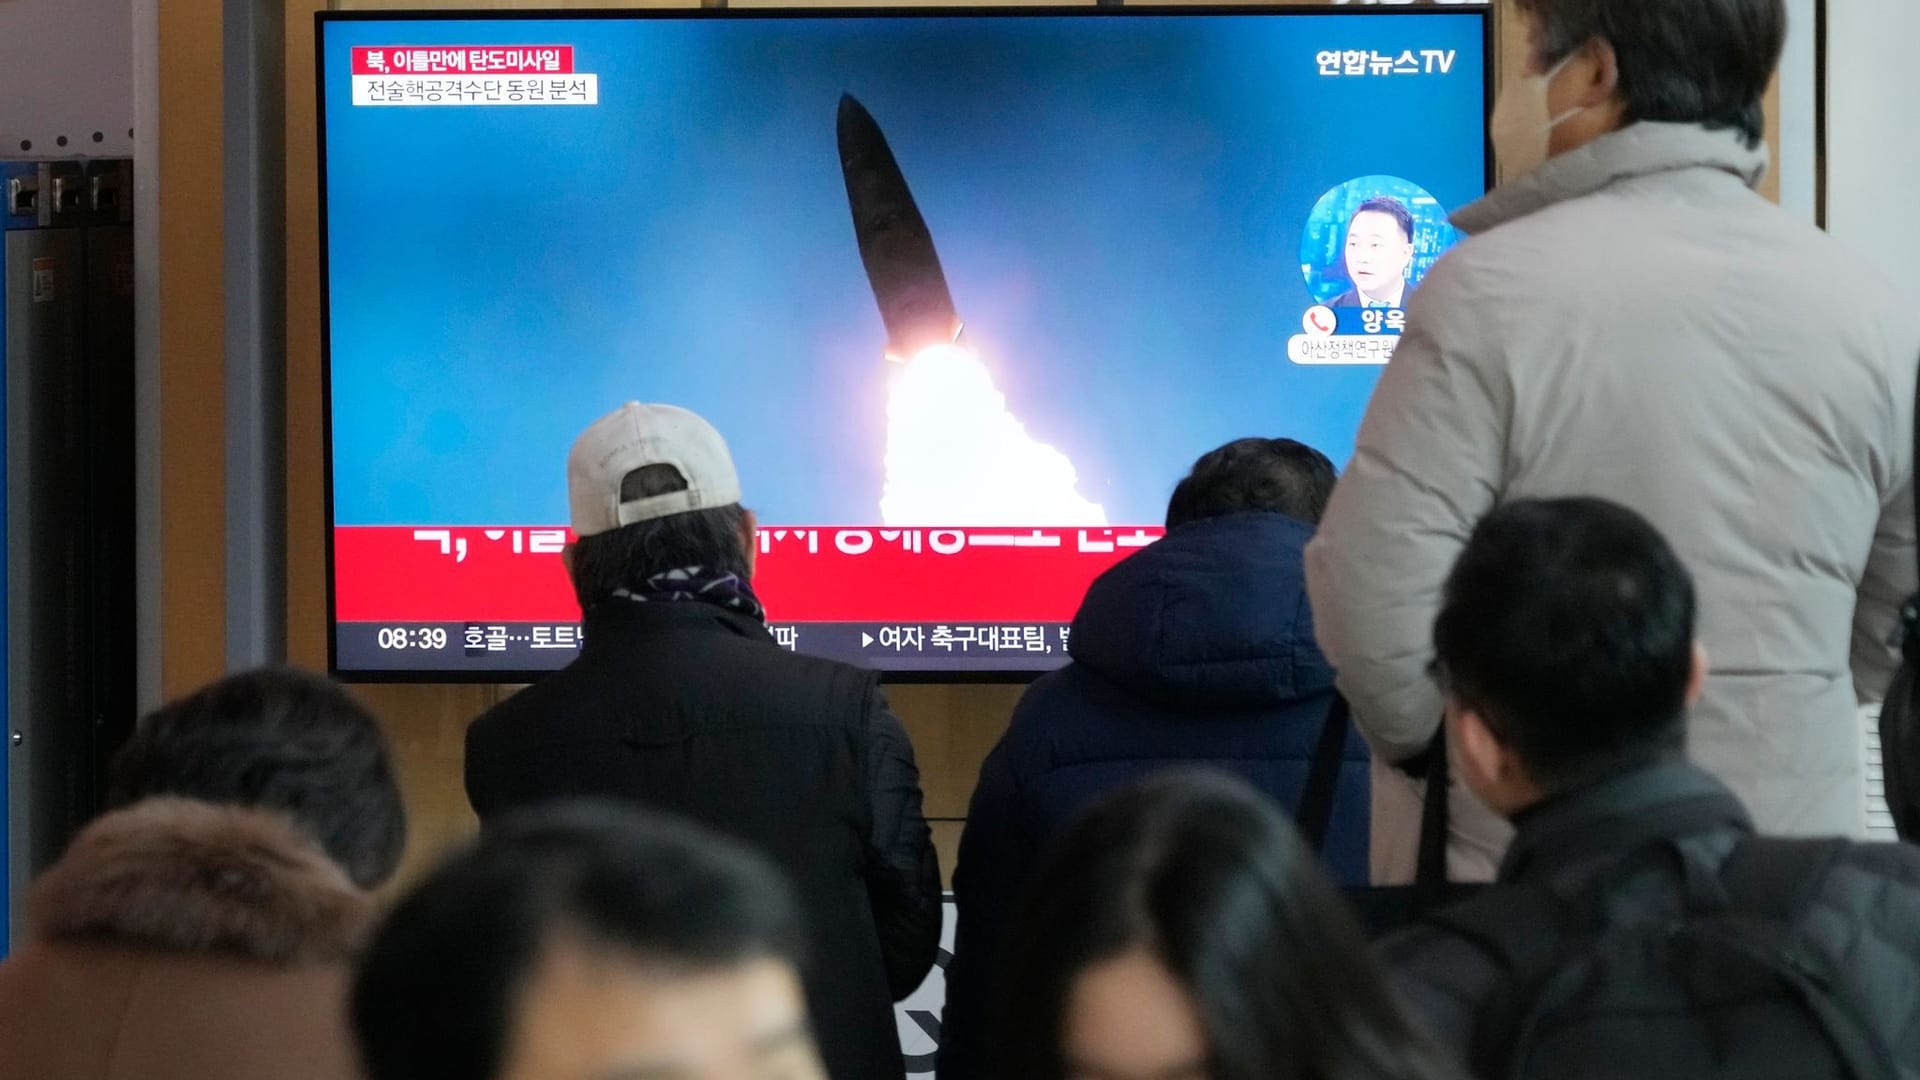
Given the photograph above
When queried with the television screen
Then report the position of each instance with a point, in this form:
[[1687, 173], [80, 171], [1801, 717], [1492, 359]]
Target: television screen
[[966, 293]]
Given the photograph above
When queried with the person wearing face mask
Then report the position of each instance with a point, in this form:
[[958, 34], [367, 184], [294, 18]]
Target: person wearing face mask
[[1630, 320]]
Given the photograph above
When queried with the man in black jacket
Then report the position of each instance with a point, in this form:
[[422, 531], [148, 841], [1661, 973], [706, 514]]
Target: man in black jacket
[[1566, 653], [681, 701]]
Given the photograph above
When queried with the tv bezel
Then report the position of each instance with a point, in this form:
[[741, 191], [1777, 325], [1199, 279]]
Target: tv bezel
[[1483, 12]]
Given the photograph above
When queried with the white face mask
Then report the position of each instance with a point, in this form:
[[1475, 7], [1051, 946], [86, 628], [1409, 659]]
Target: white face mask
[[1521, 128]]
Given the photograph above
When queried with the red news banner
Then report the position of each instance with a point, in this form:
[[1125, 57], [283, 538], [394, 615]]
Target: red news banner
[[806, 574]]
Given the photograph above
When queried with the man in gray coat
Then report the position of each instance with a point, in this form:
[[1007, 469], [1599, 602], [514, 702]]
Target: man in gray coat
[[1630, 320]]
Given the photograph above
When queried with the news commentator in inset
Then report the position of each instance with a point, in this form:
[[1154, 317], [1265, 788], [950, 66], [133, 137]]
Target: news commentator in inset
[[1379, 255]]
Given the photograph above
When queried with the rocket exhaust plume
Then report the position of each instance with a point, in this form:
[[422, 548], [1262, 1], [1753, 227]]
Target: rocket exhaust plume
[[955, 454]]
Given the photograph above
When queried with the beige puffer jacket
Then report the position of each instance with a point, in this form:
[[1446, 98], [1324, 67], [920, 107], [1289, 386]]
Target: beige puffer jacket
[[1632, 321]]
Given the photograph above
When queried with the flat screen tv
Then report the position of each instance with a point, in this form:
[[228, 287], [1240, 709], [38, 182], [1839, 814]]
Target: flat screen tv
[[967, 292]]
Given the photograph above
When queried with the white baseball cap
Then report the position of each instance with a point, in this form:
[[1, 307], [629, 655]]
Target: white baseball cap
[[635, 436]]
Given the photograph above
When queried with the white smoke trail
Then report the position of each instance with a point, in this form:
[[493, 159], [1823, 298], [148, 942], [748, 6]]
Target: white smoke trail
[[957, 456]]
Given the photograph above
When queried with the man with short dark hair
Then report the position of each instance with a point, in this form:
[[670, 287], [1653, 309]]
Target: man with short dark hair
[[203, 928], [1195, 650], [681, 701], [1565, 650], [1629, 319], [1379, 254], [276, 739], [589, 941]]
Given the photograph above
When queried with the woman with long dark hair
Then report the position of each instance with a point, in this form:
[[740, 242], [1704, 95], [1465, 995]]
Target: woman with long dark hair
[[1183, 931]]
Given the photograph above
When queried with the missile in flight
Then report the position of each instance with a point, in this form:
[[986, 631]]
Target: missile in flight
[[895, 244]]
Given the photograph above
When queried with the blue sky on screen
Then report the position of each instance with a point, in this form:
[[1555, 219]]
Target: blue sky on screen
[[1118, 204]]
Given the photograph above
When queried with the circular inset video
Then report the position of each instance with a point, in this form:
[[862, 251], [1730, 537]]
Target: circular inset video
[[1369, 242]]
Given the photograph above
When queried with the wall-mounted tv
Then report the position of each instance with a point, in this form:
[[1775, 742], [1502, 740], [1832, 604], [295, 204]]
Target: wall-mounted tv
[[967, 292]]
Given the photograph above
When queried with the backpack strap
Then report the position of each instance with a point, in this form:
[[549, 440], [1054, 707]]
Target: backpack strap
[[1315, 816], [1900, 708], [1323, 777], [1910, 611], [1900, 730], [1430, 873]]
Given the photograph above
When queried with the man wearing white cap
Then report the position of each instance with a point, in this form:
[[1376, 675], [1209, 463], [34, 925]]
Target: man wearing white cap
[[680, 701]]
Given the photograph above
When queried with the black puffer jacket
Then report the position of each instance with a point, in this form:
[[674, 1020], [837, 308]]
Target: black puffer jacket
[[1865, 918], [691, 709]]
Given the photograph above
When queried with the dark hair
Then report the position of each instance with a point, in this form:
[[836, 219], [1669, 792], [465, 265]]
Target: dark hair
[[1568, 625], [1390, 206], [435, 993], [1276, 475], [626, 557], [277, 739], [1207, 875], [1683, 61]]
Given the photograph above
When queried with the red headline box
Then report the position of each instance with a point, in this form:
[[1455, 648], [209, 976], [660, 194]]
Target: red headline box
[[803, 574], [463, 60]]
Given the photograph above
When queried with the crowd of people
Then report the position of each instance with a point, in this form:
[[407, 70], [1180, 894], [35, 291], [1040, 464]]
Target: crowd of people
[[1623, 545]]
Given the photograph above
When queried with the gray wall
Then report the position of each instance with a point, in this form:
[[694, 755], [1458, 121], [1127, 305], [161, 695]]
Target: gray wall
[[66, 70], [1873, 133]]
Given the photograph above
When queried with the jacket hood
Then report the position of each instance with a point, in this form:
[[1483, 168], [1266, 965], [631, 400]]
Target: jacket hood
[[1636, 150], [1214, 615], [184, 876]]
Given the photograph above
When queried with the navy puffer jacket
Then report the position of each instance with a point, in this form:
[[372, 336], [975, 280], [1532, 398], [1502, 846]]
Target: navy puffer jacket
[[1197, 651]]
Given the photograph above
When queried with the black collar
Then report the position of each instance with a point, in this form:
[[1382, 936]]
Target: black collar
[[1663, 800]]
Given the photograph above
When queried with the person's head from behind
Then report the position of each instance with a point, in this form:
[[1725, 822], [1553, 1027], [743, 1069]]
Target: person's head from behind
[[1380, 247], [279, 740], [1594, 66], [589, 942], [1278, 476], [1565, 645], [1181, 930], [652, 490]]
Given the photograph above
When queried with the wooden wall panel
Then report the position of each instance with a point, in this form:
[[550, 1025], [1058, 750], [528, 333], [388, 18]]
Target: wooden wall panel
[[306, 508], [192, 347], [427, 728], [952, 728]]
